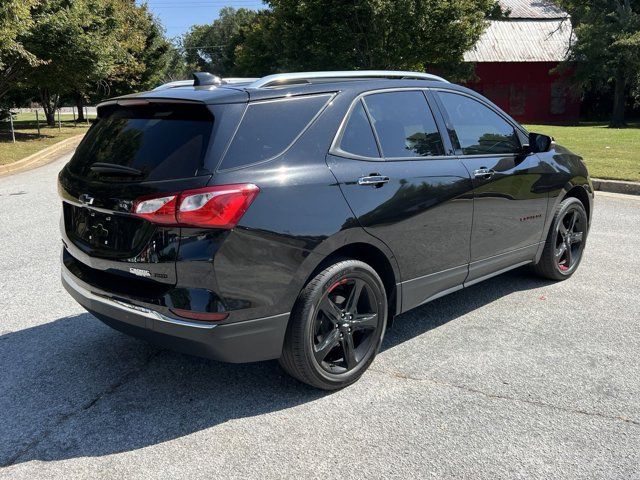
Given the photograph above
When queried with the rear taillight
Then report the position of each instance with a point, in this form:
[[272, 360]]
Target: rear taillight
[[221, 206], [158, 210]]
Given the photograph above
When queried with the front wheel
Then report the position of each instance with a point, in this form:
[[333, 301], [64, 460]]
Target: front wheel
[[337, 326], [565, 242]]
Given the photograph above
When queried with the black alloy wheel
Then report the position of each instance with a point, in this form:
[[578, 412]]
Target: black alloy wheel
[[570, 233], [565, 242], [337, 326], [345, 323]]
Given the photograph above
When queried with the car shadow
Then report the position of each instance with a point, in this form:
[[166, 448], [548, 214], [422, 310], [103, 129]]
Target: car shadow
[[75, 388]]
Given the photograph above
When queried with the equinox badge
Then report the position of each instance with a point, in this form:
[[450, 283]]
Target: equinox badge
[[140, 272]]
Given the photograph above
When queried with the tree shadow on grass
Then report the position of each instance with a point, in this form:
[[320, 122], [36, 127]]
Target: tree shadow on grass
[[22, 136], [75, 388]]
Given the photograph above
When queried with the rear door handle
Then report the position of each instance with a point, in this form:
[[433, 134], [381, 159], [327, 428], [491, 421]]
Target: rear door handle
[[375, 180], [484, 173]]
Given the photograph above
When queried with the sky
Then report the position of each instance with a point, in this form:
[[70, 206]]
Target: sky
[[178, 15]]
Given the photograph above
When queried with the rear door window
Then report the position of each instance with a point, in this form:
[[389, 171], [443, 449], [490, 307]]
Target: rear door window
[[269, 127], [478, 129], [160, 141], [358, 138], [404, 124]]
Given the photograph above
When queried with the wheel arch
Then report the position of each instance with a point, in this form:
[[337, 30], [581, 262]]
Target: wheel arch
[[580, 192], [375, 256], [577, 189]]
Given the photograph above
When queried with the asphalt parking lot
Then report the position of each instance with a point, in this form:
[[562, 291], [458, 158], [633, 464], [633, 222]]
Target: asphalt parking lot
[[512, 378]]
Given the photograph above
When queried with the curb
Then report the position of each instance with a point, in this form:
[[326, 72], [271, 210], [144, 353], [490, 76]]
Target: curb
[[41, 157], [616, 186]]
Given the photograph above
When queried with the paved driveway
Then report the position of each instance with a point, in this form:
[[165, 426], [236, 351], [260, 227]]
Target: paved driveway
[[512, 378]]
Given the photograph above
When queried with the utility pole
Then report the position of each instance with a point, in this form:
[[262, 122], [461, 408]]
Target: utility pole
[[13, 133], [38, 122]]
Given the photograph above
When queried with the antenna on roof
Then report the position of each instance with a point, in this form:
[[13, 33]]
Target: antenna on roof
[[205, 78]]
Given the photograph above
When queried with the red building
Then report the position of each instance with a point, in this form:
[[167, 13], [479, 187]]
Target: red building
[[513, 61]]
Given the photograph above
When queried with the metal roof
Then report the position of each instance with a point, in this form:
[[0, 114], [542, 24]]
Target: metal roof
[[523, 41], [532, 9], [534, 31]]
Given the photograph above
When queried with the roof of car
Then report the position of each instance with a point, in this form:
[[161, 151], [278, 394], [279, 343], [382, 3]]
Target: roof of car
[[239, 93]]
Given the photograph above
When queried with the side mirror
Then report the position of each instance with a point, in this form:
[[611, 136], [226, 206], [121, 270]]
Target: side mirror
[[539, 143]]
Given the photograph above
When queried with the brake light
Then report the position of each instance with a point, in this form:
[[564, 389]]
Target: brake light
[[221, 206]]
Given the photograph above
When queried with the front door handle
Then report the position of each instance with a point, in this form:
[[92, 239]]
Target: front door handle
[[484, 173], [375, 180]]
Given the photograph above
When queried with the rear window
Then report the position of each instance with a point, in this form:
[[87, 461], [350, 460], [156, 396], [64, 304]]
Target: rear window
[[160, 141], [268, 128]]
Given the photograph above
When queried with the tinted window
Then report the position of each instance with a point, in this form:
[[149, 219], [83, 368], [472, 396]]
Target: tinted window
[[404, 124], [358, 137], [163, 141], [269, 127], [479, 129]]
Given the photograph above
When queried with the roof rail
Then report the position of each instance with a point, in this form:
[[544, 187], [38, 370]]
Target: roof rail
[[190, 83], [177, 83], [305, 77]]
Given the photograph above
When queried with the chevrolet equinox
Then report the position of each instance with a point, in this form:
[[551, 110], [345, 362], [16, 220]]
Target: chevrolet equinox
[[292, 217]]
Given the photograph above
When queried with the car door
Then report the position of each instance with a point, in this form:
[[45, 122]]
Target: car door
[[509, 204], [392, 165]]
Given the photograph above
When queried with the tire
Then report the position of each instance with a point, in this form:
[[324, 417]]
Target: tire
[[565, 242], [330, 348]]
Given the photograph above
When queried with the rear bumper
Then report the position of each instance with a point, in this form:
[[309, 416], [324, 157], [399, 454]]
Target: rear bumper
[[246, 341]]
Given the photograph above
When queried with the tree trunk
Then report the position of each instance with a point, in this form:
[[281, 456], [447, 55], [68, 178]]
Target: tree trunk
[[619, 100], [79, 98], [49, 103]]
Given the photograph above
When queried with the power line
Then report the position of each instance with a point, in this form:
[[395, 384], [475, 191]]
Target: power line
[[183, 7], [206, 4], [201, 48]]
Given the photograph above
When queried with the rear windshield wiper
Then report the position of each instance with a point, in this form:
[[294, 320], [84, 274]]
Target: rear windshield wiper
[[116, 169]]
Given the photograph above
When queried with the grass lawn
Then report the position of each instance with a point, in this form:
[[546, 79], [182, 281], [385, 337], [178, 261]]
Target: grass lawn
[[608, 152], [27, 140]]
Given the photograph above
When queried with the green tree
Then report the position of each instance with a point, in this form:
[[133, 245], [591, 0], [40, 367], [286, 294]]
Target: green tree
[[92, 48], [366, 34], [212, 47], [258, 47], [606, 48], [78, 42], [15, 59], [149, 60]]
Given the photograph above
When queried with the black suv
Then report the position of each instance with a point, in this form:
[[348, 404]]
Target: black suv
[[294, 216]]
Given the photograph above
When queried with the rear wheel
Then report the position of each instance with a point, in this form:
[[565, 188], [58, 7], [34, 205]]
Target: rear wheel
[[565, 243], [337, 326]]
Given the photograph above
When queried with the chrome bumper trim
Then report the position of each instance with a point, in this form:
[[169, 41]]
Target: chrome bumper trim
[[128, 307]]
